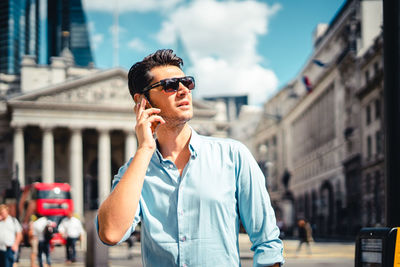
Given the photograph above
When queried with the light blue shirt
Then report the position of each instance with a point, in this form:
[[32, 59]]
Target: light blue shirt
[[194, 219]]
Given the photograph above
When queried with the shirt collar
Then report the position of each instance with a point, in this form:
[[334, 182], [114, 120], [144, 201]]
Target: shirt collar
[[194, 143], [194, 146]]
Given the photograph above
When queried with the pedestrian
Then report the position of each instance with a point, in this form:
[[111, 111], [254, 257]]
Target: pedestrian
[[33, 241], [189, 191], [10, 237], [71, 228], [305, 235], [40, 227]]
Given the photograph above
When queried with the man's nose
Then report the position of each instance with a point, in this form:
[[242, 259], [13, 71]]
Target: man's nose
[[183, 90]]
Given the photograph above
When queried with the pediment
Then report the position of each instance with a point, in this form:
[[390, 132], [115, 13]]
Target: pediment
[[104, 90], [113, 91], [99, 89]]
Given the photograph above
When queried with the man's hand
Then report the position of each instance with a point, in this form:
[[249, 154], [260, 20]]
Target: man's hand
[[18, 239], [14, 247], [145, 118]]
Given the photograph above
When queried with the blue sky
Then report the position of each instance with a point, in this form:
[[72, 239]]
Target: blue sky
[[231, 47]]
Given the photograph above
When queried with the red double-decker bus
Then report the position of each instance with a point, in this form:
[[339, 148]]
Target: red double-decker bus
[[52, 200]]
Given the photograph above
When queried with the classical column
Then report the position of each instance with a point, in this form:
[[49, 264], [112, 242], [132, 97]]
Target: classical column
[[130, 145], [48, 156], [104, 167], [19, 154], [75, 170]]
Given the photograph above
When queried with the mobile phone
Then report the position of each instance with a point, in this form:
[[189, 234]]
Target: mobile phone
[[147, 106]]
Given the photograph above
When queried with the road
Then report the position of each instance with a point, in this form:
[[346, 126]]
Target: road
[[324, 254]]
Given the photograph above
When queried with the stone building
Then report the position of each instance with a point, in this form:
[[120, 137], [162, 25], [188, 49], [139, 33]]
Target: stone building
[[370, 95], [75, 125], [316, 146]]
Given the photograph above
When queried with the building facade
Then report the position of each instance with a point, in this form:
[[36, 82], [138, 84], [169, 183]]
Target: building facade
[[370, 95], [324, 152]]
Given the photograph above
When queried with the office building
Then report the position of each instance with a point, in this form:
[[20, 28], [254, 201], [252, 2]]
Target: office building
[[19, 33], [66, 27]]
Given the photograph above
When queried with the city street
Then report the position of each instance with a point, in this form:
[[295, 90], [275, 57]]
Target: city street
[[324, 254]]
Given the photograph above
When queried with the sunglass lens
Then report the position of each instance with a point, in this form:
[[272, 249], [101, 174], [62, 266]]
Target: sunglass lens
[[171, 85], [188, 82]]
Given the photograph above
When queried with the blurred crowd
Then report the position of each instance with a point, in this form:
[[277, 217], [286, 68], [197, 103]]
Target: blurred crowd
[[42, 235]]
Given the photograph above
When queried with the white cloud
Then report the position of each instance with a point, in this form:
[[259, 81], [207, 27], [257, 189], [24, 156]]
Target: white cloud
[[129, 5], [221, 39], [97, 40], [137, 44], [216, 77]]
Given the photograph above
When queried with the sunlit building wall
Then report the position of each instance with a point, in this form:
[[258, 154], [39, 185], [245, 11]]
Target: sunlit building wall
[[315, 155]]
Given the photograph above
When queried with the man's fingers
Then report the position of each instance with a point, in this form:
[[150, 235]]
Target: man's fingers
[[149, 113], [156, 118]]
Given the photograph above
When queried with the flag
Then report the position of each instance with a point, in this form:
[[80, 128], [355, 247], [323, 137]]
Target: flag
[[320, 63], [307, 83]]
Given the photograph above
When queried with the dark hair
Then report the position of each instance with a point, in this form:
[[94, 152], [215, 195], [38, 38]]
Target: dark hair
[[139, 75]]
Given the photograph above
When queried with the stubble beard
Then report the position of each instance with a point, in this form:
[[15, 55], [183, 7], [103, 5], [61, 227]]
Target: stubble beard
[[170, 120]]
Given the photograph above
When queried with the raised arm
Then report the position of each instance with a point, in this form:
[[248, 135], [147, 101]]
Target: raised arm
[[117, 212], [256, 212]]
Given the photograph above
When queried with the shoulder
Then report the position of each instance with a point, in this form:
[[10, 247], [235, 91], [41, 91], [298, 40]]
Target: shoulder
[[75, 220], [16, 223], [223, 143]]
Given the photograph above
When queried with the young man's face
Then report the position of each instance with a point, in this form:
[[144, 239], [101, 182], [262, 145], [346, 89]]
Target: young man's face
[[176, 107], [3, 214]]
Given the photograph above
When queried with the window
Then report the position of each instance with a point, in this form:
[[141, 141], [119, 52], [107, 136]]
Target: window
[[377, 199], [376, 67], [274, 140], [368, 183], [377, 108], [366, 76], [378, 142], [368, 114], [369, 147]]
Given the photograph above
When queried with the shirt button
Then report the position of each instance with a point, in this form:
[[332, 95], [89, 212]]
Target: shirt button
[[181, 213], [183, 239], [184, 265], [171, 166]]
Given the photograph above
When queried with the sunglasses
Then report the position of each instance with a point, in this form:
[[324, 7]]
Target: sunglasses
[[172, 84]]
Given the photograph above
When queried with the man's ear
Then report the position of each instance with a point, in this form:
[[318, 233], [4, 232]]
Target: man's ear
[[137, 98]]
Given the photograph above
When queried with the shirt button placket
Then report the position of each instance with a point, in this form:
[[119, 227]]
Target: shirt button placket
[[181, 235]]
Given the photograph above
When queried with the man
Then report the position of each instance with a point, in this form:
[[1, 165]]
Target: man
[[33, 240], [44, 245], [10, 237], [189, 191], [71, 228], [305, 235]]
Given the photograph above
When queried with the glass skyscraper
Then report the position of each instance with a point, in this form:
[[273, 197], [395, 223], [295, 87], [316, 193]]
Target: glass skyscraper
[[24, 30], [67, 27], [19, 33]]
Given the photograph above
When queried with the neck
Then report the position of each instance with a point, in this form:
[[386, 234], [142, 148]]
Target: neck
[[173, 140]]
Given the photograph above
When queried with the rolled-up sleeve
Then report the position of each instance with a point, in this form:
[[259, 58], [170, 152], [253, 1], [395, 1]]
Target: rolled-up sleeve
[[256, 212], [136, 220]]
